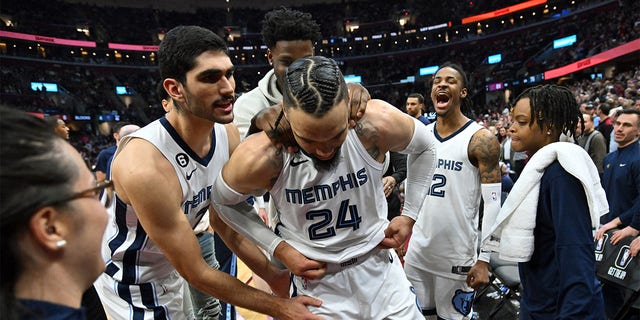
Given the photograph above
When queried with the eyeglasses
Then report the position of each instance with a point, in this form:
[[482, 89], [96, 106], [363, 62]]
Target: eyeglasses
[[94, 192]]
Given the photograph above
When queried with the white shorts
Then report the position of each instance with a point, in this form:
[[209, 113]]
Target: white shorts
[[373, 286], [451, 299], [161, 299]]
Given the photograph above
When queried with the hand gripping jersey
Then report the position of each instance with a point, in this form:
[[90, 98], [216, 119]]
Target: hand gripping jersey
[[446, 232], [333, 215], [132, 257]]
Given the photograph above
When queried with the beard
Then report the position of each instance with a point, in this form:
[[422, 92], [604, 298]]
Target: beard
[[325, 165]]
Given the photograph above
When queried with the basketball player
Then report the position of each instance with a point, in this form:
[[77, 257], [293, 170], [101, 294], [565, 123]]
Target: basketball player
[[442, 261], [164, 175], [329, 195]]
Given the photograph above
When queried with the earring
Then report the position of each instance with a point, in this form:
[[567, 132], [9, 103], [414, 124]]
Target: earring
[[61, 243], [549, 132]]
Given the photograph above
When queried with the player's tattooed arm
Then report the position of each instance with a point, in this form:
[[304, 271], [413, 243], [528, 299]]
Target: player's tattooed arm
[[484, 152], [275, 162], [369, 135]]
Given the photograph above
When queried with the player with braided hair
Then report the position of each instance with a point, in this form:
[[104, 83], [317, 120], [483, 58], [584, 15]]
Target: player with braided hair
[[329, 195]]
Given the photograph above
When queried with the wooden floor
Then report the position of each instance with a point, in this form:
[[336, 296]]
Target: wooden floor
[[245, 275]]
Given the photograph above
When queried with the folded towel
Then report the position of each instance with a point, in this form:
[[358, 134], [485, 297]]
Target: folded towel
[[512, 233]]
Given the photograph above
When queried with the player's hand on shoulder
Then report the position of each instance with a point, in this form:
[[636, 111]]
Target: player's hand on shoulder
[[272, 121], [358, 98], [298, 264]]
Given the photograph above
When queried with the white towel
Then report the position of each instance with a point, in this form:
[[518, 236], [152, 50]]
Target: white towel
[[514, 225]]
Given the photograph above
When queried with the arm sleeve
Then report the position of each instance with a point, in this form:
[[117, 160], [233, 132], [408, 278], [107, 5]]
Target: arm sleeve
[[242, 217], [420, 166], [491, 194], [399, 162]]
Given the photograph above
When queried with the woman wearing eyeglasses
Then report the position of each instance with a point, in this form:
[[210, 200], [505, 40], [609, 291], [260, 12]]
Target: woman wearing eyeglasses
[[51, 222]]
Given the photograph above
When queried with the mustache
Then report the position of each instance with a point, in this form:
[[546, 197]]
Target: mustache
[[226, 99]]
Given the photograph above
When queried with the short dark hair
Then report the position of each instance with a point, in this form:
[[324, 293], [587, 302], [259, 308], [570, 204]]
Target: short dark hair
[[553, 106], [417, 96], [287, 24], [314, 84], [605, 107], [181, 46], [118, 125], [34, 170], [629, 111]]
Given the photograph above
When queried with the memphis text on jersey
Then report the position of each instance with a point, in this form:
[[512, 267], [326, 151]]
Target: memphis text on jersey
[[325, 192]]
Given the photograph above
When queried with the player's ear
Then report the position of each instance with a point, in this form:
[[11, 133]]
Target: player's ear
[[270, 57], [174, 88]]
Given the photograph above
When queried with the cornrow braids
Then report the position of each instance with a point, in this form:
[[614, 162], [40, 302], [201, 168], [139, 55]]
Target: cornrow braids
[[314, 84], [555, 107]]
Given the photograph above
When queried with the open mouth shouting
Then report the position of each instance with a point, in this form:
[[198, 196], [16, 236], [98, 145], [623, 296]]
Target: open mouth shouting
[[442, 99]]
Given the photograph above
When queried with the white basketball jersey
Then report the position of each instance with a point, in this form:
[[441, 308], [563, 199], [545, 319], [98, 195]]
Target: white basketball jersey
[[332, 215], [132, 257], [446, 231]]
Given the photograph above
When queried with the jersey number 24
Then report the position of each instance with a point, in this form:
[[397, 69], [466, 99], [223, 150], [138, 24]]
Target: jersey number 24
[[348, 217]]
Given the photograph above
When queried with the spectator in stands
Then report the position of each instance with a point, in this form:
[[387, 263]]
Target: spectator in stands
[[58, 126], [605, 125], [51, 222], [506, 181], [104, 157], [546, 222], [621, 181], [415, 107], [592, 141]]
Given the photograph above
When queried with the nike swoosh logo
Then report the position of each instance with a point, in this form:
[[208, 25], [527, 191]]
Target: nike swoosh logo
[[190, 174], [293, 162]]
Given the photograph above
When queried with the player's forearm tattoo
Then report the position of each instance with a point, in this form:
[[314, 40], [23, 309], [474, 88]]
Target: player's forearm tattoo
[[368, 133], [484, 147]]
